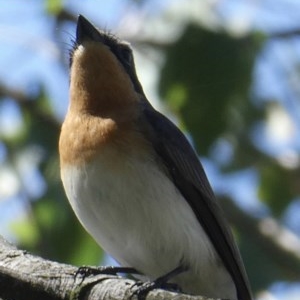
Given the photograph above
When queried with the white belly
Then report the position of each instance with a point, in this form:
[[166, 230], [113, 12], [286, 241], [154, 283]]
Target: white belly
[[138, 216]]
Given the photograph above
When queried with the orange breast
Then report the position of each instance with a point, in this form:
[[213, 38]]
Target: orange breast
[[84, 137]]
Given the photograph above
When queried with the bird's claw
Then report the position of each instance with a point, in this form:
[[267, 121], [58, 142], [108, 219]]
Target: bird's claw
[[143, 288], [86, 271]]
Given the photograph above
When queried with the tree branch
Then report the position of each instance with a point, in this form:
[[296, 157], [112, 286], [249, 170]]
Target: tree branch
[[282, 246], [24, 276]]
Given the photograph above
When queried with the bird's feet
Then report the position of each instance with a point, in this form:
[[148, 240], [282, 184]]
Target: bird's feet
[[86, 271], [141, 289]]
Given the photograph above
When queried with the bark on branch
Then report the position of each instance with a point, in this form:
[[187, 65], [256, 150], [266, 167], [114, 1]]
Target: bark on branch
[[24, 276]]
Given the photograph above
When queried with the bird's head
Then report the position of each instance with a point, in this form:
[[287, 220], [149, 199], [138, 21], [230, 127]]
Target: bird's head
[[103, 79]]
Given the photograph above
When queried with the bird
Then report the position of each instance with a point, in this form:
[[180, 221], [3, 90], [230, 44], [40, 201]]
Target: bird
[[135, 182]]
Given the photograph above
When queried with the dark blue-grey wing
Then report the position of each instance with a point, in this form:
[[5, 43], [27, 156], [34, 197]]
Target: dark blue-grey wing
[[190, 179]]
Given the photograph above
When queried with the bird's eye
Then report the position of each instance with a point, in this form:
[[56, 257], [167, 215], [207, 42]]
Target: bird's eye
[[126, 54]]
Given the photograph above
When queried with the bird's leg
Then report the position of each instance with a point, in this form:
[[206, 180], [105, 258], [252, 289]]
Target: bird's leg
[[161, 282]]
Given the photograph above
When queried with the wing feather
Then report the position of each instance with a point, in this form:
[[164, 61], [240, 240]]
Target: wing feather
[[189, 177]]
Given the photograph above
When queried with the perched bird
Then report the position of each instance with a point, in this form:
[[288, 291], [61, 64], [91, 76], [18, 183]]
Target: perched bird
[[134, 181]]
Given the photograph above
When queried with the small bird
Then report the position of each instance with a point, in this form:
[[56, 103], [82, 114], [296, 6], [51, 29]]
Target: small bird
[[134, 181]]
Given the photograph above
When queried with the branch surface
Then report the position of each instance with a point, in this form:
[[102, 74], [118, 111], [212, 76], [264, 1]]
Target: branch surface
[[24, 276]]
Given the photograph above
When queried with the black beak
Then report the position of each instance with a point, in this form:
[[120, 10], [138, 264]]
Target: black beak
[[86, 31]]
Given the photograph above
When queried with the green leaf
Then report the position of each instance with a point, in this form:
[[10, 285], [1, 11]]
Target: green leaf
[[275, 187], [54, 6], [27, 232], [205, 76]]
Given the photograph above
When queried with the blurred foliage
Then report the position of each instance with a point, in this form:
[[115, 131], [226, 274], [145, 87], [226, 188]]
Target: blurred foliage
[[206, 81], [50, 228], [276, 187], [54, 6]]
